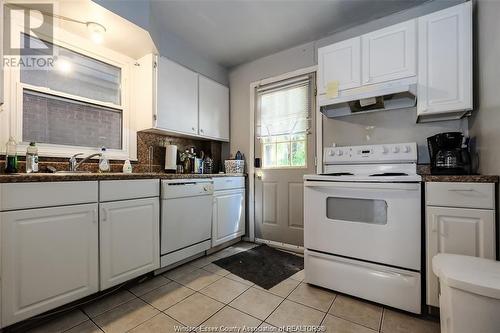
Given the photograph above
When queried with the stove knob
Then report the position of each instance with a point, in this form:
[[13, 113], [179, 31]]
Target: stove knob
[[406, 149], [395, 150], [385, 150], [340, 152], [331, 153]]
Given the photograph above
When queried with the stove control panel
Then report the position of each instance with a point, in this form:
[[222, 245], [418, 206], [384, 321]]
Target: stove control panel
[[386, 153]]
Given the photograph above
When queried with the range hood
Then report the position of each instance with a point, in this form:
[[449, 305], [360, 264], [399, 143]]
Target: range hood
[[378, 97]]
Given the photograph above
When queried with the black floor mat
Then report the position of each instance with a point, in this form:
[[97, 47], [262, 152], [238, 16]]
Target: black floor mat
[[263, 265]]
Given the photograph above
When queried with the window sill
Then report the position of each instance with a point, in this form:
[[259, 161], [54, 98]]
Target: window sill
[[56, 151]]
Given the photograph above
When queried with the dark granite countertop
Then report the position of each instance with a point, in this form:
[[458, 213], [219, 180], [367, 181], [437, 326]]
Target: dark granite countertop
[[54, 177], [424, 170], [460, 178]]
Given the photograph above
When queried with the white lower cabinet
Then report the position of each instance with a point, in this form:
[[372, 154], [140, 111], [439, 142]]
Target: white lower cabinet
[[129, 239], [49, 258], [228, 214], [457, 230]]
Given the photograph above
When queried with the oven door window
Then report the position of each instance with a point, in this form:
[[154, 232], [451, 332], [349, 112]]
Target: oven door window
[[370, 211]]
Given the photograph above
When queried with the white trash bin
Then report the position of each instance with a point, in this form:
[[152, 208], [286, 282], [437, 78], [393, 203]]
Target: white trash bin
[[469, 297]]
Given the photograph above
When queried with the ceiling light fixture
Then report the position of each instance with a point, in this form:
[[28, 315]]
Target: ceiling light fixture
[[95, 29], [96, 32], [64, 66]]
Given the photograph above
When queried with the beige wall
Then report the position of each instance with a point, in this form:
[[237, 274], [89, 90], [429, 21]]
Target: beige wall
[[388, 126], [400, 126], [239, 85], [485, 122]]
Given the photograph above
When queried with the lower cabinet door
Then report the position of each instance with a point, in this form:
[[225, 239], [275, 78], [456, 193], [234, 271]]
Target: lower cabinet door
[[49, 258], [228, 221], [129, 239], [462, 231]]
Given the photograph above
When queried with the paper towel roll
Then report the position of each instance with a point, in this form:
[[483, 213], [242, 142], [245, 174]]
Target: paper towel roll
[[170, 157]]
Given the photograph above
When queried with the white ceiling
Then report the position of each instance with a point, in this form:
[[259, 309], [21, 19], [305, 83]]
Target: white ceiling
[[232, 32]]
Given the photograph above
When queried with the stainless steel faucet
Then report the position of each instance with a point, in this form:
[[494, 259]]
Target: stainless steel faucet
[[73, 164]]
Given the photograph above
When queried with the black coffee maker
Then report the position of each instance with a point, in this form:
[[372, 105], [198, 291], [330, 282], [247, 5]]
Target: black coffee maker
[[449, 154]]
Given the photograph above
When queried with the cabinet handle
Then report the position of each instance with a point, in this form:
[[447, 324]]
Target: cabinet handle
[[94, 216], [434, 226], [462, 190], [104, 213]]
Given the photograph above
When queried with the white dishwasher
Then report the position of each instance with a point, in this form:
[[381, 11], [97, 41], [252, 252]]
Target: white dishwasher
[[228, 220], [186, 218]]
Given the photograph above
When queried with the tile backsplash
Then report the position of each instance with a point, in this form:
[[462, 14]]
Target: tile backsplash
[[144, 141]]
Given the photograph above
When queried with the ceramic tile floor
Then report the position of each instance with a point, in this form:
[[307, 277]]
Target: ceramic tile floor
[[201, 293]]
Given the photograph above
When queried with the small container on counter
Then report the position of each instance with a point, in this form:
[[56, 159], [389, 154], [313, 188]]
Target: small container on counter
[[32, 158], [11, 156], [127, 167], [234, 166], [103, 161]]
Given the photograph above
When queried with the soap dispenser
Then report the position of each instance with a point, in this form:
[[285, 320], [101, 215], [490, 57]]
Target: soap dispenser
[[103, 161]]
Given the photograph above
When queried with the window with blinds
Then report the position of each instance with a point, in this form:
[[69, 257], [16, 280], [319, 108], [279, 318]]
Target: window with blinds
[[284, 121]]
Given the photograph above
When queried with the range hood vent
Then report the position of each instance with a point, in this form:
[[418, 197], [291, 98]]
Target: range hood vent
[[382, 97]]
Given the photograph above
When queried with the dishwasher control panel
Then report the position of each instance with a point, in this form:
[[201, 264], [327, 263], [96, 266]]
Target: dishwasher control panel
[[182, 188]]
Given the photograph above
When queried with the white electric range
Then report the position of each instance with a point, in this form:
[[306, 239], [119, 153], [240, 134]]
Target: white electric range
[[362, 224]]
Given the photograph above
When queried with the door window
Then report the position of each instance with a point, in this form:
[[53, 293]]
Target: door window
[[357, 210], [284, 121]]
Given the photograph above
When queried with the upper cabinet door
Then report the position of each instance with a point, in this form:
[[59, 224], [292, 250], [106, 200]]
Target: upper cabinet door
[[177, 98], [214, 109], [340, 62], [445, 60], [390, 53]]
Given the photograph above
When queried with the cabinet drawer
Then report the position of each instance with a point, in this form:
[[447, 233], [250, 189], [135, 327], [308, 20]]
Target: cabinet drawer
[[43, 194], [227, 183], [466, 195], [112, 190]]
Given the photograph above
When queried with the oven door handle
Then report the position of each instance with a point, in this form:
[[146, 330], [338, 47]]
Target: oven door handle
[[360, 185]]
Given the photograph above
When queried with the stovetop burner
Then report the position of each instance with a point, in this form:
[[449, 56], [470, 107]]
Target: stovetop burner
[[389, 174]]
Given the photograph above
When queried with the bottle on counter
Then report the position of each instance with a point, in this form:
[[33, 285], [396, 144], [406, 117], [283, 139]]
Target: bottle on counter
[[127, 167], [32, 158], [192, 157], [207, 165], [11, 156], [103, 161]]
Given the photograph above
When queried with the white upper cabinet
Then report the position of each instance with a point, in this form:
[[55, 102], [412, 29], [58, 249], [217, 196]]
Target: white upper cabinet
[[339, 62], [177, 98], [173, 99], [390, 53], [214, 109], [445, 63]]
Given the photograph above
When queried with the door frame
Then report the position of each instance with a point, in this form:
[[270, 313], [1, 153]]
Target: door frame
[[251, 159]]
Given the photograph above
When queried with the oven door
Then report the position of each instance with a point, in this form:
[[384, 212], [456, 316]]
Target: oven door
[[376, 222]]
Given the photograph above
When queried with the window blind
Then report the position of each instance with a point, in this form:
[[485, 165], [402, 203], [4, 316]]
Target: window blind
[[284, 107]]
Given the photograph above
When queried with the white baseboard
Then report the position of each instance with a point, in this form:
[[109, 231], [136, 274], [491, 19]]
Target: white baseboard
[[280, 245]]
